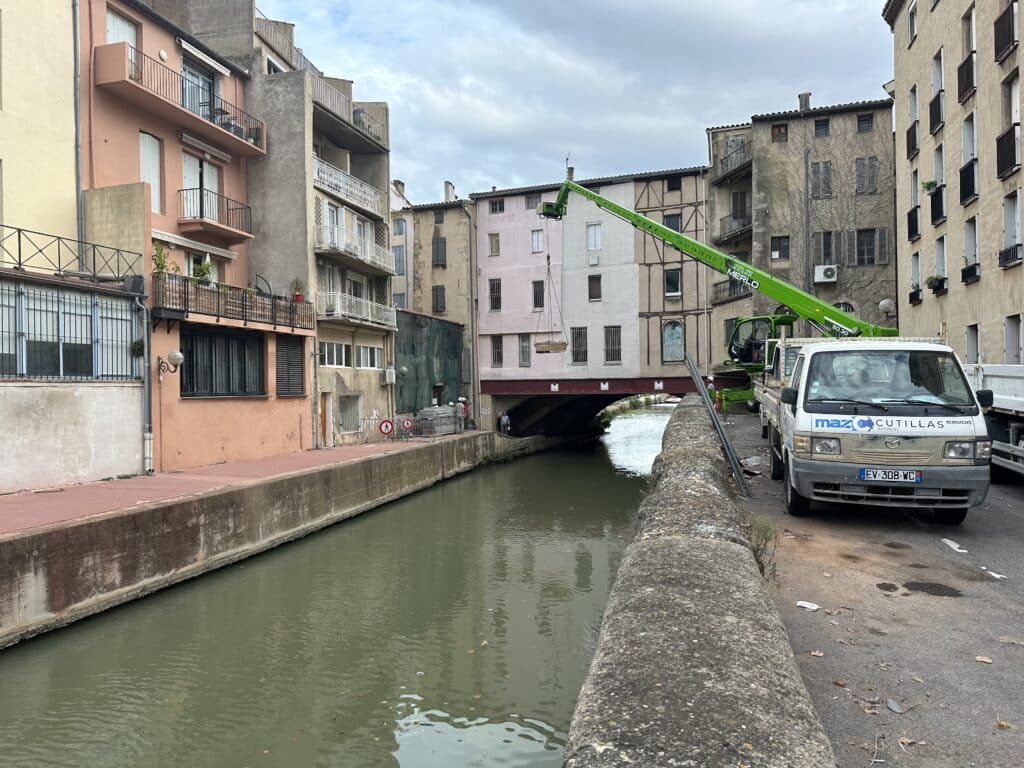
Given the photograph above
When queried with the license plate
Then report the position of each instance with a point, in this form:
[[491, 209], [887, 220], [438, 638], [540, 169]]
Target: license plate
[[891, 475]]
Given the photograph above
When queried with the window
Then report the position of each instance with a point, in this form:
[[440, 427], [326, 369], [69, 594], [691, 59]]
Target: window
[[728, 326], [355, 287], [938, 76], [940, 257], [524, 350], [348, 413], [498, 205], [865, 123], [594, 237], [672, 348], [939, 165], [970, 242], [674, 183], [399, 251], [825, 247], [537, 241], [398, 300], [915, 271], [437, 299], [497, 351], [121, 29], [494, 293], [193, 262], [594, 287], [867, 175], [398, 227], [912, 22], [912, 104], [844, 306], [673, 283], [915, 188], [864, 250], [272, 68], [578, 338], [968, 138], [369, 357], [1012, 340], [780, 248], [290, 368], [200, 193], [972, 345], [613, 343], [151, 169], [821, 128], [780, 133], [538, 294], [532, 201], [673, 221], [1011, 220], [439, 216], [439, 252], [197, 90], [821, 179], [221, 363], [335, 355], [494, 244], [739, 204]]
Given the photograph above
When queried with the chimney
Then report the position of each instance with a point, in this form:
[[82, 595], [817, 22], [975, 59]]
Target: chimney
[[569, 171], [399, 186], [805, 101], [449, 192]]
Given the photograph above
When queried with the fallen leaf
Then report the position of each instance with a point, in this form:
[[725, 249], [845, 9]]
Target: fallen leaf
[[905, 742], [894, 706], [841, 682], [1003, 724], [817, 653], [983, 659]]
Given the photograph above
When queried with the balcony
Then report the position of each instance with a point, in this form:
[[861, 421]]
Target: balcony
[[965, 84], [914, 297], [177, 297], [733, 226], [733, 165], [936, 112], [45, 254], [912, 140], [340, 106], [1010, 256], [969, 181], [1008, 151], [272, 35], [938, 200], [913, 225], [348, 188], [727, 290], [334, 239], [939, 285], [1005, 28], [158, 89], [971, 273], [204, 212], [342, 306]]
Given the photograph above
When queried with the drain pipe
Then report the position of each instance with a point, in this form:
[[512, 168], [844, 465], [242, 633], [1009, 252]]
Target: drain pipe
[[77, 53], [147, 395]]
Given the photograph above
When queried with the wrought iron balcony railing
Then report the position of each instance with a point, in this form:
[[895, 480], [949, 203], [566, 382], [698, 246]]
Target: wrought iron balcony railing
[[206, 204], [938, 198], [913, 223], [1008, 151], [336, 102], [969, 181], [936, 111], [733, 223], [727, 290], [178, 295], [1006, 31], [912, 139], [332, 238], [348, 187], [330, 305], [914, 297], [732, 161], [271, 33], [53, 255], [971, 273], [1010, 256], [965, 84]]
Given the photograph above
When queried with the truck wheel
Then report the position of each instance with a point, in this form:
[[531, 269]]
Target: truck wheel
[[796, 505], [950, 516], [764, 431], [753, 406], [775, 468]]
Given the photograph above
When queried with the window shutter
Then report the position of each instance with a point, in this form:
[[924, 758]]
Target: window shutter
[[861, 180], [816, 252], [851, 248], [872, 174], [837, 247], [290, 378], [826, 179], [881, 246], [816, 179]]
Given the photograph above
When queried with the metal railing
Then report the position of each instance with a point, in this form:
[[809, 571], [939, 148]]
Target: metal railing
[[336, 102], [369, 124], [157, 77], [913, 223], [731, 161], [914, 297], [271, 33], [728, 289], [192, 296], [1010, 255], [1008, 151], [207, 204], [727, 447], [53, 255], [936, 112], [332, 304], [732, 223], [348, 187], [969, 181], [912, 139], [334, 238], [938, 198], [965, 84], [1005, 29], [972, 272]]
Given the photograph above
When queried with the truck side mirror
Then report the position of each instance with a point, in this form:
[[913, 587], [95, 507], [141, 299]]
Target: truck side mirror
[[984, 398], [789, 395]]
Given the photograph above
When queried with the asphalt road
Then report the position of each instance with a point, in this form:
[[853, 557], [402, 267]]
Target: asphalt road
[[906, 607]]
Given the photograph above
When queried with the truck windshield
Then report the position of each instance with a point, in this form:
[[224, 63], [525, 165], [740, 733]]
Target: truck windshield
[[918, 377]]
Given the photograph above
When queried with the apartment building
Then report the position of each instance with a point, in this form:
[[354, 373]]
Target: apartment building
[[166, 138], [958, 178], [403, 236], [325, 177], [806, 195]]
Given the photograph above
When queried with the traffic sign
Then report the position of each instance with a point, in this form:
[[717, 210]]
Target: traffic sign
[[387, 427], [407, 424]]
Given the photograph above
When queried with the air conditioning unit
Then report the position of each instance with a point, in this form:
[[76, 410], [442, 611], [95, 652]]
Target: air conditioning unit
[[594, 260], [825, 273], [388, 376]]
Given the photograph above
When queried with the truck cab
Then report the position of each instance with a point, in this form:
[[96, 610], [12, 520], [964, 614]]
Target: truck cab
[[882, 423]]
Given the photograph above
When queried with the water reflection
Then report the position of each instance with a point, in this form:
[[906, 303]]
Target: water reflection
[[451, 628]]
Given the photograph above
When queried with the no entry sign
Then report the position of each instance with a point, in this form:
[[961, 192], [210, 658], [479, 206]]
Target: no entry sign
[[387, 427]]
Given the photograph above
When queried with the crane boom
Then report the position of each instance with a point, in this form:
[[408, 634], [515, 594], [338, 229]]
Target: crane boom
[[822, 315]]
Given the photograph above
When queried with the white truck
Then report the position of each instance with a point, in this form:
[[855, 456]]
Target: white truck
[[881, 422], [1006, 416]]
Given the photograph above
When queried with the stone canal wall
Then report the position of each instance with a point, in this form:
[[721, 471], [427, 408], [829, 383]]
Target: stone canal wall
[[54, 575], [693, 666]]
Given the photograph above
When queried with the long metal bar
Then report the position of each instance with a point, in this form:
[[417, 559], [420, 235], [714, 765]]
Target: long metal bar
[[727, 449]]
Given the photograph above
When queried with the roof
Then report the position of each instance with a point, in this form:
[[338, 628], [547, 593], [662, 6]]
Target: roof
[[728, 127], [834, 109], [890, 10], [695, 170], [435, 206], [431, 317]]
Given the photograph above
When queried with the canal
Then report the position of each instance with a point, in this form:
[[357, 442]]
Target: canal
[[451, 628]]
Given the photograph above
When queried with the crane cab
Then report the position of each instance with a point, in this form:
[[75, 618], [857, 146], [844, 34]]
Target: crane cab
[[747, 344]]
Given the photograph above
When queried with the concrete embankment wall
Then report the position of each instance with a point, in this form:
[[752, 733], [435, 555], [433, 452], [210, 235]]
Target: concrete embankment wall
[[55, 575], [693, 666]]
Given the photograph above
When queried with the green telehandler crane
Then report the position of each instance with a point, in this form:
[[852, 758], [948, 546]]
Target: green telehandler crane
[[746, 345]]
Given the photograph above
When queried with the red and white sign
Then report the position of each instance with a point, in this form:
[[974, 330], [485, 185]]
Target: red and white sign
[[387, 427], [406, 424]]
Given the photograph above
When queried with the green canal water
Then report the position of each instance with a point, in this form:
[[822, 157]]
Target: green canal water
[[452, 628]]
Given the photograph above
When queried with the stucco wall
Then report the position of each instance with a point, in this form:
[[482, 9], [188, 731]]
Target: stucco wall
[[120, 214], [58, 433]]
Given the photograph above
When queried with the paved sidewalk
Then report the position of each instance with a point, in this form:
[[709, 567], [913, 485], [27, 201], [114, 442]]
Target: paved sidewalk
[[33, 509]]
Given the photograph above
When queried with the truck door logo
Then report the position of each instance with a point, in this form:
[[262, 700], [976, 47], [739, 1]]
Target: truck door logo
[[867, 424]]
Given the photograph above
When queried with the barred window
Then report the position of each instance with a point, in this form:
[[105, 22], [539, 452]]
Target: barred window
[[613, 344], [538, 294], [579, 345], [221, 363], [494, 293], [497, 351], [524, 350]]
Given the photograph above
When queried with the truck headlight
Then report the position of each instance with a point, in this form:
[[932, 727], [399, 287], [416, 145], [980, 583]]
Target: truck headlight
[[960, 450], [801, 443], [983, 449], [826, 445]]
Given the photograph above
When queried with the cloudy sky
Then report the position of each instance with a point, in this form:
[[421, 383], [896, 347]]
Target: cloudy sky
[[488, 93]]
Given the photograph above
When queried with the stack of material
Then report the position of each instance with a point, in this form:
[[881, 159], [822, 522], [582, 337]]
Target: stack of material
[[438, 420]]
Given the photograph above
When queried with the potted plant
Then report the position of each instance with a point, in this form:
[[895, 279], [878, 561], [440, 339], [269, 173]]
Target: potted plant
[[201, 271], [933, 282], [162, 264], [929, 186], [138, 348], [296, 286]]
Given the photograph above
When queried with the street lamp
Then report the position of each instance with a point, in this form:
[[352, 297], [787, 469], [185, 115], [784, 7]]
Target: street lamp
[[171, 364]]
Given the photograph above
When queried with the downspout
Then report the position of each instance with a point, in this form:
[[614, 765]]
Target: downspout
[[77, 53], [707, 310], [147, 395], [474, 378]]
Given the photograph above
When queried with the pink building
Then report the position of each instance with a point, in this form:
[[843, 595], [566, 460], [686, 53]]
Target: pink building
[[165, 138]]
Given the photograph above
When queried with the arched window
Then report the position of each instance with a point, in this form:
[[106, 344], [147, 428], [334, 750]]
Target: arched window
[[845, 306], [672, 348]]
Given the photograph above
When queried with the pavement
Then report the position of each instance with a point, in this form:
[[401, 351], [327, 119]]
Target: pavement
[[32, 509], [915, 656]]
